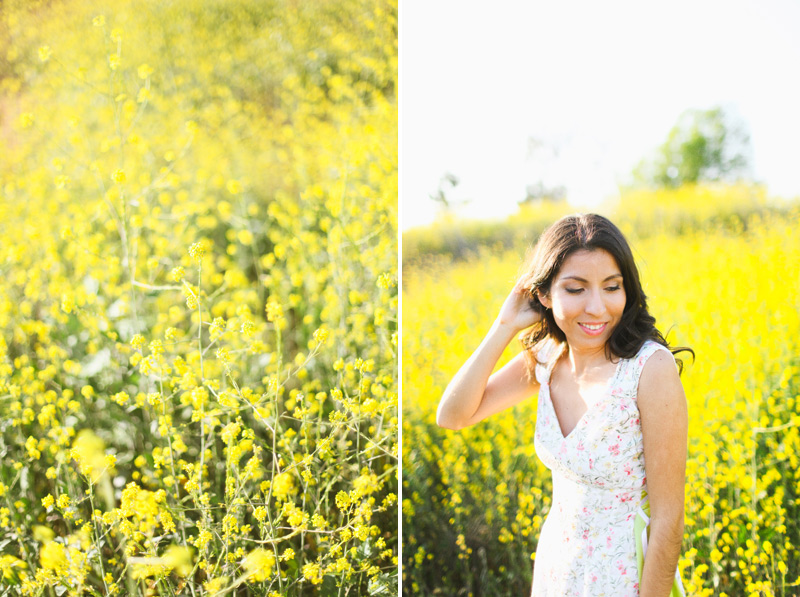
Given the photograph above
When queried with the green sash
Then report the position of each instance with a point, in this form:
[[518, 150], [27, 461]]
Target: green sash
[[641, 529]]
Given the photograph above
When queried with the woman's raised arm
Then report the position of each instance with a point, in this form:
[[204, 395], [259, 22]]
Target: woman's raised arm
[[475, 393]]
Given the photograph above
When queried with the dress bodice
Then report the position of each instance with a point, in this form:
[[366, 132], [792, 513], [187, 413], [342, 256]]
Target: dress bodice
[[605, 448]]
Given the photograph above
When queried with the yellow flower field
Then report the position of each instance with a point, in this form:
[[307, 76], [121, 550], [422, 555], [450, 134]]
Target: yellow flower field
[[474, 500], [198, 301]]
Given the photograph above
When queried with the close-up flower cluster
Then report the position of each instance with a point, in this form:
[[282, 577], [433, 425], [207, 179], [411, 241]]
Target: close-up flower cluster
[[720, 280], [198, 298]]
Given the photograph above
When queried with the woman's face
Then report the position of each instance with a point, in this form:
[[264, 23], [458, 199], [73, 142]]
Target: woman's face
[[587, 298]]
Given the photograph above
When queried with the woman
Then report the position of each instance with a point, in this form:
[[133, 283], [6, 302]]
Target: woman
[[611, 418]]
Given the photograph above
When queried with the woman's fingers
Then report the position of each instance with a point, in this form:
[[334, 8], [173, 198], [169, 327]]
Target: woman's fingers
[[517, 309], [519, 287]]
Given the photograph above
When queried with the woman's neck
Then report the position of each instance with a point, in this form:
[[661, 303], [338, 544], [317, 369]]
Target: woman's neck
[[582, 361]]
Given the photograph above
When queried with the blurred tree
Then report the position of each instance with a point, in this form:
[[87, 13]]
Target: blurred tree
[[440, 196], [447, 204], [536, 193], [544, 156], [704, 145]]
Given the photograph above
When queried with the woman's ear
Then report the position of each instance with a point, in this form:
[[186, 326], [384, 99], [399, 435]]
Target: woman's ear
[[544, 299]]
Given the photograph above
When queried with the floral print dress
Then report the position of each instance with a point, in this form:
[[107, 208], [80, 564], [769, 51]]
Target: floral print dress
[[586, 547]]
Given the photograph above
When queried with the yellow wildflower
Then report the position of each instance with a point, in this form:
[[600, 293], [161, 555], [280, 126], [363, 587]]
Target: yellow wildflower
[[258, 564], [283, 485], [53, 556], [144, 71], [42, 534], [179, 559]]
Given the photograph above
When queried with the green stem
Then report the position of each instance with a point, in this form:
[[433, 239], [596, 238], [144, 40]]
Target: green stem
[[97, 535]]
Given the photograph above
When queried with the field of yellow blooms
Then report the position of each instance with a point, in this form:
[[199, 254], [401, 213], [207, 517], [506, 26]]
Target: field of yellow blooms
[[722, 282], [198, 297]]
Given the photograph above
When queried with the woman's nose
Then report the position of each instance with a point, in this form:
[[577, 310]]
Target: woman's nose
[[595, 305]]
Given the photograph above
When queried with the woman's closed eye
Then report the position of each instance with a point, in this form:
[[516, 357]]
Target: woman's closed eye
[[579, 290]]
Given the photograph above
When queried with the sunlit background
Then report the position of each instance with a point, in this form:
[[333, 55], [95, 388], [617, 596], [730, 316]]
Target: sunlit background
[[575, 94]]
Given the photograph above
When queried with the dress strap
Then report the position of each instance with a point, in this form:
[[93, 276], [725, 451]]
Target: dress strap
[[546, 359], [632, 368]]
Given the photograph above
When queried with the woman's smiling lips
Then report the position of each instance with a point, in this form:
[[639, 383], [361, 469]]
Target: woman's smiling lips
[[593, 329]]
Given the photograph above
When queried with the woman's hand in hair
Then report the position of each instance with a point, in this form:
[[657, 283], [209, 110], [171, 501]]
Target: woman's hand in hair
[[520, 310]]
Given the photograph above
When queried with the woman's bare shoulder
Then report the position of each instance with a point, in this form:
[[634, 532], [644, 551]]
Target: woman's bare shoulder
[[660, 379]]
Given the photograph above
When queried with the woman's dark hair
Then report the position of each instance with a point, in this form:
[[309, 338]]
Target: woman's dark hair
[[590, 232]]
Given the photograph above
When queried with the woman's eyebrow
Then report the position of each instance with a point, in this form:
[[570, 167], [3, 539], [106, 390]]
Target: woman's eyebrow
[[579, 279]]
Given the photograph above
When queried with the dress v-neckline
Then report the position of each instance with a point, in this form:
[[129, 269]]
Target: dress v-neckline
[[589, 407]]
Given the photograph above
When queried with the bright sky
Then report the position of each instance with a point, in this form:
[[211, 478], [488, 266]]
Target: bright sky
[[601, 82]]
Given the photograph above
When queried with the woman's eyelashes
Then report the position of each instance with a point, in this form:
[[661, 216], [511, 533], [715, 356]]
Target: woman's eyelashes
[[579, 290]]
